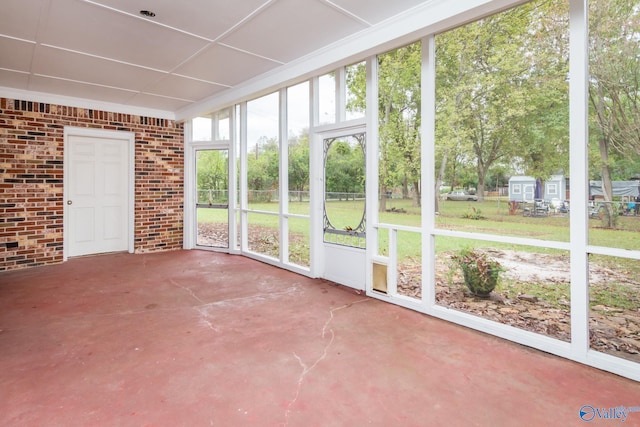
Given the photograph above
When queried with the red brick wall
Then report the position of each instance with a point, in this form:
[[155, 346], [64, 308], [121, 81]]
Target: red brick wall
[[31, 179]]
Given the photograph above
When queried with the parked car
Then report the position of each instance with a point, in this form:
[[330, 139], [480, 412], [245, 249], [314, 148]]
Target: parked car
[[461, 195]]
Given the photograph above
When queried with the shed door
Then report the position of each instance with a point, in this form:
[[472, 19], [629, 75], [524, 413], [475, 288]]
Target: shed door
[[528, 191]]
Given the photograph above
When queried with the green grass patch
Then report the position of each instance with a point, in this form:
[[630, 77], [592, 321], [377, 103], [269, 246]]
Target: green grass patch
[[494, 219], [555, 294], [614, 295]]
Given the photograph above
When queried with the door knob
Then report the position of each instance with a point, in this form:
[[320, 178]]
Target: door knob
[[69, 202]]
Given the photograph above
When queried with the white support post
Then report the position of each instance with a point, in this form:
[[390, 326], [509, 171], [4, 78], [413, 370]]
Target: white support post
[[316, 185], [428, 95], [371, 200], [233, 183], [284, 177], [392, 266], [188, 205], [341, 95], [578, 134], [244, 229]]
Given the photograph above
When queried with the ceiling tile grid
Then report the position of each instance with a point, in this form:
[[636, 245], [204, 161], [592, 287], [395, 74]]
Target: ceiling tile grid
[[190, 50]]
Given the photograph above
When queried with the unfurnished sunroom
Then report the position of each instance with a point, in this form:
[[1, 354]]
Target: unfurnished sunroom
[[328, 147]]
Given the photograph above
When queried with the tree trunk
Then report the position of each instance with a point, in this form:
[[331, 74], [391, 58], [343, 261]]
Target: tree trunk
[[405, 187], [382, 165], [383, 198], [416, 194], [607, 185], [443, 166], [482, 175], [603, 145]]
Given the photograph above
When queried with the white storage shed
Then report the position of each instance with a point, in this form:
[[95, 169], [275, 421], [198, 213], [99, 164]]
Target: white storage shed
[[522, 188]]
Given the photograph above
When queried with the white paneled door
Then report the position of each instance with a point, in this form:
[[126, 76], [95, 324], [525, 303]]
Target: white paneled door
[[97, 190]]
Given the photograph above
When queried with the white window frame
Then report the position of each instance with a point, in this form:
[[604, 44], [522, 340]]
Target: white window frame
[[441, 18]]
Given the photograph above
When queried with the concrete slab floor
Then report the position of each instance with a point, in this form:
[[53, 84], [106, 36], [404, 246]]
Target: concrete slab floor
[[194, 338]]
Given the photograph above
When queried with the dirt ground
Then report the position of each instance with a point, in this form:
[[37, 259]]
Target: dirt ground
[[613, 330], [263, 240]]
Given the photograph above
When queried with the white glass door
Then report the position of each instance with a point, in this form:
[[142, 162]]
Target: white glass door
[[212, 198], [344, 213]]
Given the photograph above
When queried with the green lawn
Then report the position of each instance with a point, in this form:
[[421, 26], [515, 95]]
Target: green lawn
[[495, 219]]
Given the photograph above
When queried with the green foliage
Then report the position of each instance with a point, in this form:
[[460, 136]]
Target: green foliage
[[555, 294], [399, 105], [212, 168], [614, 79], [473, 213], [356, 77], [502, 94], [614, 295], [344, 168], [263, 165], [480, 272], [399, 111], [498, 176], [299, 163]]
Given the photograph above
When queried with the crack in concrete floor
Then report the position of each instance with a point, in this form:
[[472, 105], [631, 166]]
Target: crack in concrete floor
[[306, 369]]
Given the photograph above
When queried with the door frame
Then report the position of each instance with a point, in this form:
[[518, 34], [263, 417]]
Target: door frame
[[329, 260], [129, 138], [190, 210], [190, 240]]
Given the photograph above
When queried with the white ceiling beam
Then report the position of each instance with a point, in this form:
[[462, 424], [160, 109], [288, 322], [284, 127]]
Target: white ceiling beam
[[430, 17], [89, 104]]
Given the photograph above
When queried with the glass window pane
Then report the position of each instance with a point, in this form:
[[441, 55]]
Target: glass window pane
[[614, 119], [356, 87], [532, 291], [201, 128], [263, 153], [614, 319], [223, 125], [409, 249], [264, 235], [299, 243], [298, 125], [399, 147], [212, 176], [327, 101], [383, 242], [502, 126], [344, 202], [213, 227]]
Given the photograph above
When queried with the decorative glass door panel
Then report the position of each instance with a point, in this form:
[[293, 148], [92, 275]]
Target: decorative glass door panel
[[344, 196]]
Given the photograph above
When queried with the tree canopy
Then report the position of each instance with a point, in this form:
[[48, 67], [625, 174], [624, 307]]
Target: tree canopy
[[502, 105], [502, 93], [614, 64]]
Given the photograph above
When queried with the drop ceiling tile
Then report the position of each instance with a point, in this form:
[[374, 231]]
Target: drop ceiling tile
[[15, 54], [225, 66], [13, 79], [289, 29], [205, 18], [19, 18], [75, 66], [78, 90], [84, 27], [375, 11], [105, 51], [158, 102], [182, 87]]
